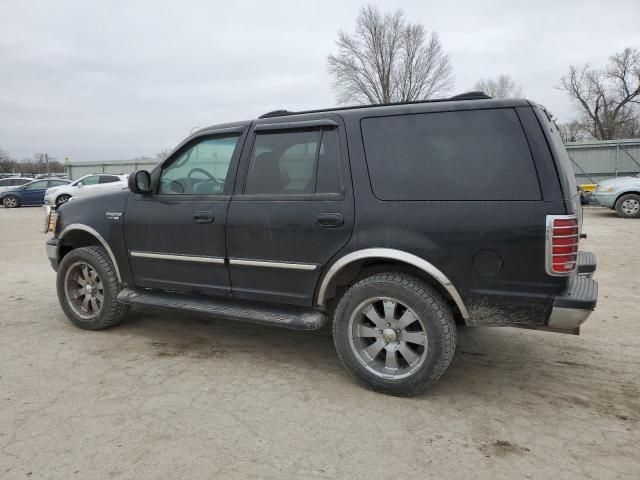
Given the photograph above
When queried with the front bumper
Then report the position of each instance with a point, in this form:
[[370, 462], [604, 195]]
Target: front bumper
[[51, 248], [605, 199]]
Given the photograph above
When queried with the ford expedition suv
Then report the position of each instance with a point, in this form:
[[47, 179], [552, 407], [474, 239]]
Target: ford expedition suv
[[388, 223]]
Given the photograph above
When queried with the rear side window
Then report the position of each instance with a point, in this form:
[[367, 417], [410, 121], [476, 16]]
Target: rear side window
[[466, 155], [56, 183], [294, 162], [108, 178], [21, 181]]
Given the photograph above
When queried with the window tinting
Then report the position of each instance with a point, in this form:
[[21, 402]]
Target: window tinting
[[201, 169], [108, 178], [294, 162], [466, 155], [57, 183], [21, 181]]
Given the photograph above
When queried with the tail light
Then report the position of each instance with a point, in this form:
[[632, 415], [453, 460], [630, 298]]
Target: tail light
[[562, 244]]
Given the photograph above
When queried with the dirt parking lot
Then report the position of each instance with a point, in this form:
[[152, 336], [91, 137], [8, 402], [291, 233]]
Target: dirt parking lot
[[170, 395]]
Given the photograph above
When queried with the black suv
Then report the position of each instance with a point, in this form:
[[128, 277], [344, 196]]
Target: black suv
[[388, 222]]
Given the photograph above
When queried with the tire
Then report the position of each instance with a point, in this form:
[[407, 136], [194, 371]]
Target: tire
[[11, 201], [64, 198], [628, 206], [358, 331], [92, 314]]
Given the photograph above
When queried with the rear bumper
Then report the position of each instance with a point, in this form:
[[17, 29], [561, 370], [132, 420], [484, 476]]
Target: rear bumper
[[574, 306]]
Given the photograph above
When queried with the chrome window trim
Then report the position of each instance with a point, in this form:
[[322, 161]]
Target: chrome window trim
[[272, 264], [177, 257], [390, 253], [100, 238]]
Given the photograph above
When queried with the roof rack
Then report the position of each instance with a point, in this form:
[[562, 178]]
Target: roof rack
[[475, 95]]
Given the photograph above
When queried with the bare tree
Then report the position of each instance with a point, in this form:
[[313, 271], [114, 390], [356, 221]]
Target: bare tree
[[571, 131], [608, 98], [388, 59], [503, 86]]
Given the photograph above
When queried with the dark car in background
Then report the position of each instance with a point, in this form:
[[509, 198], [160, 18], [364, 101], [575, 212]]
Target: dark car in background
[[31, 193], [388, 222]]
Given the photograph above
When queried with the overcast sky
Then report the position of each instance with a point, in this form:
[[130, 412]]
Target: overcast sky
[[90, 80]]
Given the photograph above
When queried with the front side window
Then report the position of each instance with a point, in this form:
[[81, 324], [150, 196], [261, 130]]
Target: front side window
[[294, 162], [41, 185], [200, 170], [91, 180]]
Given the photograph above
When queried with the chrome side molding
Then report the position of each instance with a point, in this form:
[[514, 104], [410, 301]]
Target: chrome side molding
[[177, 257], [272, 264], [392, 254]]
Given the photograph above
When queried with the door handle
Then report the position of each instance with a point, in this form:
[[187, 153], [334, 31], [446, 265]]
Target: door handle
[[329, 220], [203, 217]]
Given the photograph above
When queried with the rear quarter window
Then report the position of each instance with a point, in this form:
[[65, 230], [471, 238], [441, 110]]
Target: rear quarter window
[[464, 155]]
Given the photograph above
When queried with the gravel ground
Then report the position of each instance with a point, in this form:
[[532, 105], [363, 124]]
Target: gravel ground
[[170, 395]]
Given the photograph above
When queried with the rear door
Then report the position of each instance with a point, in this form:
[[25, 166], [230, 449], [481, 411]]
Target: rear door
[[292, 209]]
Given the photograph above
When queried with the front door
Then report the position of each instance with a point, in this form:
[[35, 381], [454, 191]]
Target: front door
[[176, 235], [292, 210]]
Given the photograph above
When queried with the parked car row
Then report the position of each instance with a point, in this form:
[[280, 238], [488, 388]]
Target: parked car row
[[21, 191], [620, 194]]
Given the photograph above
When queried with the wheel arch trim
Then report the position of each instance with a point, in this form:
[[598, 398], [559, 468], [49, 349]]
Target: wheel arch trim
[[391, 254], [91, 231]]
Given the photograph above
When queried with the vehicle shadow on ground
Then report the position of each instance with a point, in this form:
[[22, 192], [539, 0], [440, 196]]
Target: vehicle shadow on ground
[[493, 357]]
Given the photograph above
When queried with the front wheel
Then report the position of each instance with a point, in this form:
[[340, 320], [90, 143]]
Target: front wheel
[[628, 206], [62, 199], [11, 202], [87, 288], [394, 333]]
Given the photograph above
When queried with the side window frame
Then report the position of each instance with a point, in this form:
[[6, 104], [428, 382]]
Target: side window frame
[[321, 124], [230, 180]]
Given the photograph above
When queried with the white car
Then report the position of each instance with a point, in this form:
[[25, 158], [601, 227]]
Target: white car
[[85, 186], [10, 183]]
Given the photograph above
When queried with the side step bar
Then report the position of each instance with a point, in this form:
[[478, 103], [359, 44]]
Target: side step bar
[[252, 312]]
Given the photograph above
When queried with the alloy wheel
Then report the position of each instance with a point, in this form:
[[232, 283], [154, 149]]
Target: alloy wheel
[[387, 337], [631, 206], [84, 290]]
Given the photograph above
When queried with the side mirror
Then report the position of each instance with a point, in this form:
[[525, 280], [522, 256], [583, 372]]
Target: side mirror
[[80, 185], [140, 182]]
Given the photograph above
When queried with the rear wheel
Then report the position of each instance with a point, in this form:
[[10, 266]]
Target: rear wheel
[[88, 288], [11, 202], [628, 206], [394, 333], [62, 199]]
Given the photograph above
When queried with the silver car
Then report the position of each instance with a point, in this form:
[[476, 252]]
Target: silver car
[[620, 194]]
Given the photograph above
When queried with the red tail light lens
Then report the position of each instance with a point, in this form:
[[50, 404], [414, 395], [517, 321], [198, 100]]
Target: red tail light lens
[[562, 244]]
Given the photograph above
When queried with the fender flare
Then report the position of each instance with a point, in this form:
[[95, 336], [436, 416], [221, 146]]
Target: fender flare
[[94, 233], [391, 254]]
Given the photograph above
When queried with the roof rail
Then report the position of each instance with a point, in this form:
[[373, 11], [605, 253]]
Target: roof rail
[[476, 95]]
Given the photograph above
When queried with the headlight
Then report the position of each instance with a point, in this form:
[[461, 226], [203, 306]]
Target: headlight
[[606, 188], [51, 190], [50, 219]]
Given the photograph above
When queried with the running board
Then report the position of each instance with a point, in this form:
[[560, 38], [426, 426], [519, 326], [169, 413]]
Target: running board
[[252, 312]]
